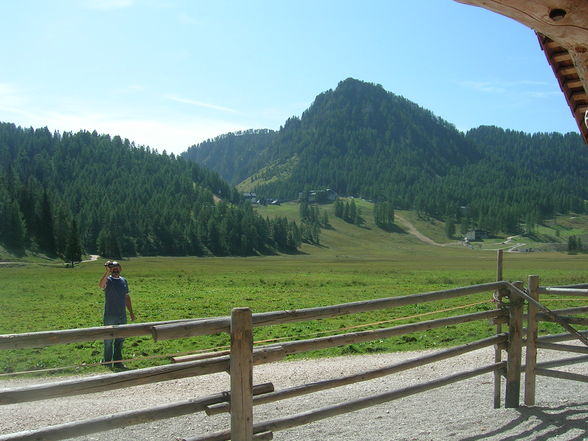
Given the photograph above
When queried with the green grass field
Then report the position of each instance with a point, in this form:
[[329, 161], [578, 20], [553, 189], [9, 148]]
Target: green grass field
[[352, 263]]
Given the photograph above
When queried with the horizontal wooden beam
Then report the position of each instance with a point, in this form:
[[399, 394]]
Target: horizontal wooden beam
[[566, 348], [571, 311], [574, 84], [194, 357], [192, 329], [568, 319], [351, 406], [560, 337], [561, 56], [567, 70], [564, 291], [295, 347], [561, 375], [367, 375], [579, 96], [136, 377], [559, 312], [563, 362], [128, 418], [64, 336]]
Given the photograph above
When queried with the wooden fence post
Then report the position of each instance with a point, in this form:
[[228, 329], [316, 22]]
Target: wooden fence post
[[515, 346], [498, 348], [241, 369], [531, 357]]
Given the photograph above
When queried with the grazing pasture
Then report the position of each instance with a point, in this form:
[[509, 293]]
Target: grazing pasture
[[351, 263], [37, 297]]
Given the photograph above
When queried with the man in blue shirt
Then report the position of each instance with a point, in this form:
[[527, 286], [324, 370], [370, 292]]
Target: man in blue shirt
[[116, 299]]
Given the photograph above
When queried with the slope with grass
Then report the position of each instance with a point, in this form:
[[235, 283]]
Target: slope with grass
[[352, 263], [418, 233]]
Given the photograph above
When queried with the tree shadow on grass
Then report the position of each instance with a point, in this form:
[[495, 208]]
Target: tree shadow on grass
[[542, 424], [394, 228]]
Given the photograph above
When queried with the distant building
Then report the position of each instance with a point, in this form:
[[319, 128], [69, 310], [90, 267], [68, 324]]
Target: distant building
[[318, 196], [474, 235], [250, 197]]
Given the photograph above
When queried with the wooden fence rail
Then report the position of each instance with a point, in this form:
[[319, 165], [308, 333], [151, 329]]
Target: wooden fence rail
[[538, 313], [129, 418], [64, 336], [351, 406], [195, 327], [563, 291], [367, 375], [202, 327], [101, 383], [241, 358]]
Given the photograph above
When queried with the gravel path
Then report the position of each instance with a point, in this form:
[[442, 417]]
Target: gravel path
[[462, 411]]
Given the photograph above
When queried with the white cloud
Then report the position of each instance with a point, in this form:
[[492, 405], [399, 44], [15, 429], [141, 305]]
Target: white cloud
[[172, 136], [13, 103], [199, 103], [523, 88], [10, 95], [162, 132], [483, 86]]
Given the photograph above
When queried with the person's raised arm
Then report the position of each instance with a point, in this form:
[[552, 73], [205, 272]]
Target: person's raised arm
[[104, 278]]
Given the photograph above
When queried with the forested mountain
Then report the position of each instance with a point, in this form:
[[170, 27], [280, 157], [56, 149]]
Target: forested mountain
[[235, 156], [61, 193], [361, 140]]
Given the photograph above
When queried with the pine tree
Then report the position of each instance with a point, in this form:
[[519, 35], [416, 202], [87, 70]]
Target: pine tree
[[73, 249], [572, 244], [15, 232], [339, 208], [46, 237], [450, 228]]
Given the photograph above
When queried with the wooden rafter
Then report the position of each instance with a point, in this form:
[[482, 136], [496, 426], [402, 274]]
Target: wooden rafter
[[569, 80]]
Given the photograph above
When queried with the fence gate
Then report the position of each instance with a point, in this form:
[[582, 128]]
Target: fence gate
[[566, 318]]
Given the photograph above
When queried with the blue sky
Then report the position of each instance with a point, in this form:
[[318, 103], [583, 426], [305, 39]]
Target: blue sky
[[171, 73]]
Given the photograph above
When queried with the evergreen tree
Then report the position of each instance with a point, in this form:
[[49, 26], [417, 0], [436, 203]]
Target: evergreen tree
[[384, 215], [46, 237], [450, 228], [339, 208], [73, 249], [572, 244], [162, 204], [14, 234]]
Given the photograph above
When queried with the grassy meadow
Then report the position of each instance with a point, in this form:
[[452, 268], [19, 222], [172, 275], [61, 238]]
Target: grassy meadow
[[352, 263]]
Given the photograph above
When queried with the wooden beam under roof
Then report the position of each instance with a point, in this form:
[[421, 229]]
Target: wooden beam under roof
[[562, 29], [569, 80]]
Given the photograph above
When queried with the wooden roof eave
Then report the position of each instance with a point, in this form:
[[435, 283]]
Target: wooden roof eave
[[562, 29], [569, 80]]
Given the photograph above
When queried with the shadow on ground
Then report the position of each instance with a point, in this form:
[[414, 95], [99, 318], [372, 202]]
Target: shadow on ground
[[543, 423]]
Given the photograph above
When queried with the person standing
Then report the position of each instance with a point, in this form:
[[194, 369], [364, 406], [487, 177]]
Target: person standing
[[116, 301]]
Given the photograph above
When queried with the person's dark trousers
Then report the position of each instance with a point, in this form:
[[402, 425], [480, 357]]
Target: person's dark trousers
[[113, 350], [113, 347]]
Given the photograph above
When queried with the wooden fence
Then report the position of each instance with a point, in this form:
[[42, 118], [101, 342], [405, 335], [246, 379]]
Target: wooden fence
[[239, 362]]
